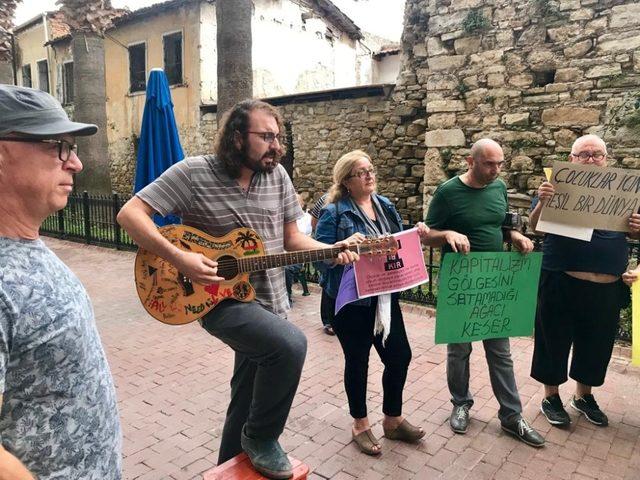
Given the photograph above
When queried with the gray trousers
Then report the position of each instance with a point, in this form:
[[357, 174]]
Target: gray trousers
[[503, 381], [269, 355]]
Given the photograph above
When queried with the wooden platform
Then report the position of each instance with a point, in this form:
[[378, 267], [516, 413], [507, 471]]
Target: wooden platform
[[240, 468]]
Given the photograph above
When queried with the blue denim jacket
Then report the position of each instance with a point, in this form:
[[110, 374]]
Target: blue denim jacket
[[339, 221]]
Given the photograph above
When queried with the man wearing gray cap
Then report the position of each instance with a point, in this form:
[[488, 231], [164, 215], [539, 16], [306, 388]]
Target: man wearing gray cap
[[58, 413]]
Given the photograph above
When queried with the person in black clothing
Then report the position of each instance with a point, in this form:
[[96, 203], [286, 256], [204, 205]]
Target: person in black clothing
[[580, 296], [327, 304], [354, 210]]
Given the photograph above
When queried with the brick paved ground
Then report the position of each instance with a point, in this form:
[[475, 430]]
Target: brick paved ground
[[172, 387]]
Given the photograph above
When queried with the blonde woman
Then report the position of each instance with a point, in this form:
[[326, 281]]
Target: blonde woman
[[354, 210]]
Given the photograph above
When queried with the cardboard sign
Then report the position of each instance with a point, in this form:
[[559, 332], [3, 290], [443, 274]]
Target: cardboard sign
[[579, 233], [487, 295], [593, 197]]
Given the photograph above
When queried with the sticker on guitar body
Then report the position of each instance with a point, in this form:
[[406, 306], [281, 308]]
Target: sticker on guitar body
[[171, 297], [248, 242], [217, 294]]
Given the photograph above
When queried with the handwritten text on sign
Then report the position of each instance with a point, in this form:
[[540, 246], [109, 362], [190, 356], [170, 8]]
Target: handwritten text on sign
[[592, 196], [486, 295]]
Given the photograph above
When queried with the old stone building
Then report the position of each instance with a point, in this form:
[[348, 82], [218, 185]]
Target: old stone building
[[531, 74]]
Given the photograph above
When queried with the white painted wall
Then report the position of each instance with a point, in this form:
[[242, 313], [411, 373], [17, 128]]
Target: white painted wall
[[386, 69], [345, 64], [293, 56], [364, 65], [289, 55]]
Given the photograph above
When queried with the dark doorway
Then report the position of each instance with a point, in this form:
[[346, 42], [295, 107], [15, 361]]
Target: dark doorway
[[287, 160]]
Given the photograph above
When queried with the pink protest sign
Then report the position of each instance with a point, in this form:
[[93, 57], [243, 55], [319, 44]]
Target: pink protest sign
[[392, 273]]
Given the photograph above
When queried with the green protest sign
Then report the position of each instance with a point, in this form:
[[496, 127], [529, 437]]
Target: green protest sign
[[487, 295]]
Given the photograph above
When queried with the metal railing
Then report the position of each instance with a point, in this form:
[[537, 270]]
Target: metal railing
[[92, 219]]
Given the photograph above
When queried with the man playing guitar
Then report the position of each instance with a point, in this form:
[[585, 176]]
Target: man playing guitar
[[242, 185]]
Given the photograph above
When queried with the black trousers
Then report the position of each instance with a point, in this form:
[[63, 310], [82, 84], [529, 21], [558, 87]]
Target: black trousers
[[354, 328], [270, 352], [327, 307], [578, 313]]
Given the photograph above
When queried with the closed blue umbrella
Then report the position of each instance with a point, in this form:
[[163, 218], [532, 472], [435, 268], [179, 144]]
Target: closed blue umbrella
[[159, 145]]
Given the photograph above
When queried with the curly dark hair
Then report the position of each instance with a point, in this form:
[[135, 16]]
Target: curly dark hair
[[236, 119]]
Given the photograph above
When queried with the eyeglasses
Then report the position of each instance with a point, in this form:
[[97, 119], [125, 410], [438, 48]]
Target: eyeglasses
[[363, 172], [269, 137], [584, 156], [64, 148]]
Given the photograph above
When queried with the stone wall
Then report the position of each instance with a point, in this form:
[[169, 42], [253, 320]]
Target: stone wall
[[323, 129], [531, 74], [123, 153]]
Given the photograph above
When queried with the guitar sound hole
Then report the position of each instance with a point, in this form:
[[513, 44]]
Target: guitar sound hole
[[227, 267]]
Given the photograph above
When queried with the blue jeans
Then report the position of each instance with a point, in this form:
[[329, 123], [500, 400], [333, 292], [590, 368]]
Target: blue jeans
[[503, 381], [270, 353]]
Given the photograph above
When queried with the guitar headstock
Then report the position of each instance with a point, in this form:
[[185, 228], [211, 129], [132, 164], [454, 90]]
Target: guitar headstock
[[383, 245]]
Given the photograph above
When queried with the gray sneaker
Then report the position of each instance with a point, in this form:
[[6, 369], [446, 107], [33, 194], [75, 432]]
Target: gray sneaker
[[523, 432], [459, 419]]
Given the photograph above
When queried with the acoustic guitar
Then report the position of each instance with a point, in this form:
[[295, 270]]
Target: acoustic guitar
[[172, 298]]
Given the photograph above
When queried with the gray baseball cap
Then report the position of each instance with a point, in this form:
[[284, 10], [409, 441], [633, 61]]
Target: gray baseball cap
[[34, 112]]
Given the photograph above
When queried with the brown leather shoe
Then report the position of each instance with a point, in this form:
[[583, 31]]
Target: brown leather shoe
[[405, 432], [367, 442]]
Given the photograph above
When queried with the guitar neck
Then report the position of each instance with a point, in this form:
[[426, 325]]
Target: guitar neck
[[264, 262]]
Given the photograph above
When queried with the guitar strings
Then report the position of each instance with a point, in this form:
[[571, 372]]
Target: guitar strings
[[235, 261]]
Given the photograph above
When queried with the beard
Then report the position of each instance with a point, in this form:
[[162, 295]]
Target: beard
[[485, 179], [266, 164], [491, 178]]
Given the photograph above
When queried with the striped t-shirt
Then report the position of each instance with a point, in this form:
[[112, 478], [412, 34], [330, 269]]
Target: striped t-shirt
[[315, 211], [200, 191]]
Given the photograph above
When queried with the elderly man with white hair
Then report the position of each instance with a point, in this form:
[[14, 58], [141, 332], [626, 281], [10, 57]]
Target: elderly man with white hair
[[467, 213], [579, 300]]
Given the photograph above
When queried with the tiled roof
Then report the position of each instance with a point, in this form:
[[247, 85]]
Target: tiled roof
[[385, 50], [60, 30], [57, 25], [153, 9]]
